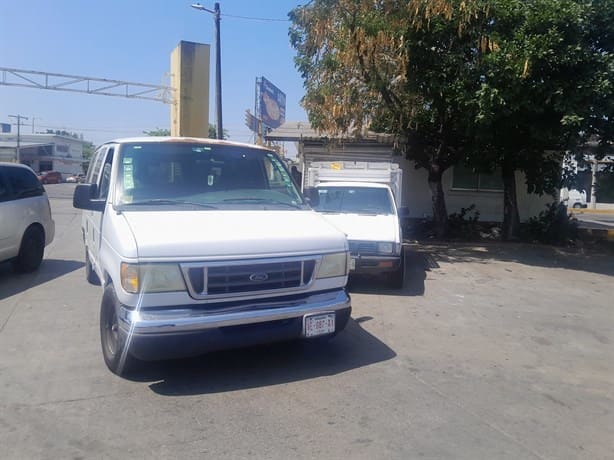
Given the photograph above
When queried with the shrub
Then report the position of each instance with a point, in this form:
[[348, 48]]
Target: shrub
[[552, 226], [465, 223]]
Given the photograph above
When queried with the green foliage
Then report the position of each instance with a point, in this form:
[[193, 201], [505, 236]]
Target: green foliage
[[553, 226], [63, 132], [158, 132], [498, 84]]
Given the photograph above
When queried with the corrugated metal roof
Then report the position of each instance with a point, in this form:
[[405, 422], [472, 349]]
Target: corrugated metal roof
[[13, 144]]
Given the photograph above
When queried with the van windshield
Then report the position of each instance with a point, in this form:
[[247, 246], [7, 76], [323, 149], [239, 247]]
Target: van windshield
[[205, 175], [356, 200]]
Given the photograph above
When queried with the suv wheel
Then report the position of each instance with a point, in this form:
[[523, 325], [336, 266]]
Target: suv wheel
[[31, 250], [114, 345]]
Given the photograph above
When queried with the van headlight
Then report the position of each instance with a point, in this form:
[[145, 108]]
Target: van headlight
[[333, 265], [146, 278]]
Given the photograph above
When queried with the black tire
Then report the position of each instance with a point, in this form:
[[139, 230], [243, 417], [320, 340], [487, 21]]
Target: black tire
[[90, 274], [577, 205], [31, 250], [397, 278], [116, 355]]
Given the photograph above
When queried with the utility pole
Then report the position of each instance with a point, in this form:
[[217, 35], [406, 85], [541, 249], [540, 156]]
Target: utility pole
[[218, 73], [218, 66], [19, 118], [35, 118]]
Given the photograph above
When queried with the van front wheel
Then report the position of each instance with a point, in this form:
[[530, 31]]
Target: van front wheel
[[114, 345]]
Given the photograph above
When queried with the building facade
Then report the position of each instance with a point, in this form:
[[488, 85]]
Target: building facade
[[462, 186], [44, 152]]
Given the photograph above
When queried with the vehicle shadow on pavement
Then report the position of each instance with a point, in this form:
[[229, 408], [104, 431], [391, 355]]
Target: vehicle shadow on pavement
[[597, 259], [266, 365], [12, 283], [416, 266]]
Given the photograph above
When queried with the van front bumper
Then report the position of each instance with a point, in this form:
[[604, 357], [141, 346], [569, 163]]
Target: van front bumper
[[192, 330]]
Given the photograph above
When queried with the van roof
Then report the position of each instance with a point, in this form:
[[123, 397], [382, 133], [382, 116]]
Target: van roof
[[171, 139]]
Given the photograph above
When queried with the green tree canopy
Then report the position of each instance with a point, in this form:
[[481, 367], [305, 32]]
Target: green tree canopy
[[501, 84], [407, 69]]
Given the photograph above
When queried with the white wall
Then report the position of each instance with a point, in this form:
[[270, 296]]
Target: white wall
[[417, 196]]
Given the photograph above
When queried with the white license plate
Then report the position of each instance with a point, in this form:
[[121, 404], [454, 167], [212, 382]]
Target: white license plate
[[352, 264], [319, 324]]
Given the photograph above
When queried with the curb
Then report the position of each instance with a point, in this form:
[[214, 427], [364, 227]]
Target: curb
[[590, 211]]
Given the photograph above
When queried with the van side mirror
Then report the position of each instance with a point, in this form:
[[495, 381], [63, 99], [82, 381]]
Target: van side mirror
[[82, 198]]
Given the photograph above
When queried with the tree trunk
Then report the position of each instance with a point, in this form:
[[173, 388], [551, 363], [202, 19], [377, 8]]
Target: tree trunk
[[440, 214], [511, 220]]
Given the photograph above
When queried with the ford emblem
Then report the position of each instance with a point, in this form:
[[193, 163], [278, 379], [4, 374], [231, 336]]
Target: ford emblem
[[258, 277]]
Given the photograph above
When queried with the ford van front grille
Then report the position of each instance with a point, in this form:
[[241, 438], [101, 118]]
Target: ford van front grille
[[238, 278]]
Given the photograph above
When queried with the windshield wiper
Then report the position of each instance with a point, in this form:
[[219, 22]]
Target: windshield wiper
[[163, 201], [260, 201]]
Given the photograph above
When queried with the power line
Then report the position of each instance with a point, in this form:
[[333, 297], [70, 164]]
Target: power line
[[250, 18]]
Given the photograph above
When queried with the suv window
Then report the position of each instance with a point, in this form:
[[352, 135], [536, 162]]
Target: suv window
[[5, 193], [23, 183]]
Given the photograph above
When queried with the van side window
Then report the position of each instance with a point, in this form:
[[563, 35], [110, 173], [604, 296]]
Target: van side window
[[96, 165], [103, 190]]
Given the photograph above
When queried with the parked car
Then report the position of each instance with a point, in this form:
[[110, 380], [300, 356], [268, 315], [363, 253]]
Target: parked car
[[76, 178], [574, 198], [201, 245], [50, 177], [26, 226]]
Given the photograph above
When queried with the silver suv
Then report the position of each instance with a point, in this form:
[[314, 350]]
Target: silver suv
[[26, 226]]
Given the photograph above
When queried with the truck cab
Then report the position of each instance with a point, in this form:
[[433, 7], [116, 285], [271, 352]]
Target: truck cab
[[367, 213]]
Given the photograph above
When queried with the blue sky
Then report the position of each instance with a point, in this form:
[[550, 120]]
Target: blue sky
[[132, 40]]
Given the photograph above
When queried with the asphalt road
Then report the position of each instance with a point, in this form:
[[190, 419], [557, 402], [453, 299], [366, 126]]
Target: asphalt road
[[493, 352]]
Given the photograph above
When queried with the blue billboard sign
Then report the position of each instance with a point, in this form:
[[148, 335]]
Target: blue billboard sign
[[272, 104]]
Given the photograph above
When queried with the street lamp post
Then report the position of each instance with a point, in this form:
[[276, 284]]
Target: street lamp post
[[218, 67]]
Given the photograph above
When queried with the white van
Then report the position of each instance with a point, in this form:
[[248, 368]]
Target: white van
[[201, 245]]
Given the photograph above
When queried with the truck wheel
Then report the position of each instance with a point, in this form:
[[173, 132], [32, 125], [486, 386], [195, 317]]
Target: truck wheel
[[577, 205], [116, 356], [31, 250], [90, 274], [397, 277]]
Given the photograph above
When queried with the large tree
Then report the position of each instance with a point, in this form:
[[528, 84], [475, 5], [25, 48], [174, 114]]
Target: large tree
[[405, 68], [545, 87], [499, 84]]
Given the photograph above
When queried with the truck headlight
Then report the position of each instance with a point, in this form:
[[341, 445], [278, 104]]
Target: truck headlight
[[384, 248], [151, 278], [333, 265]]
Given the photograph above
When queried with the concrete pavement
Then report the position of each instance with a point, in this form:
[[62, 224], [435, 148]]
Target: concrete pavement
[[496, 352]]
